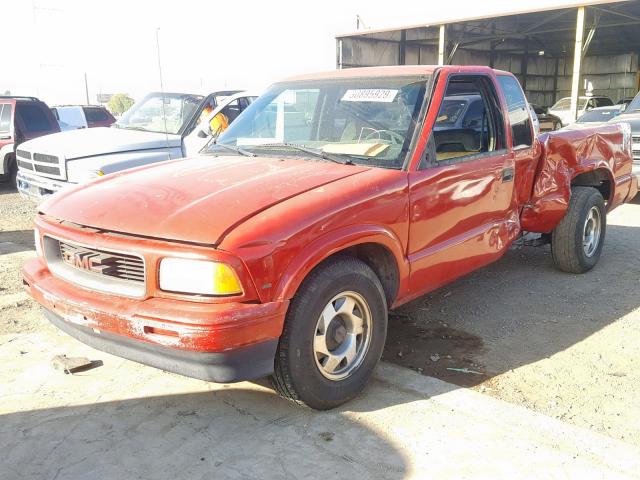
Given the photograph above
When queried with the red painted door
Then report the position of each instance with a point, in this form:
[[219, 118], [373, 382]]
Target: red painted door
[[463, 211]]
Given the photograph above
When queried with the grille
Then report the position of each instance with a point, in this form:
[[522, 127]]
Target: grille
[[46, 169], [44, 158], [25, 165], [636, 148], [117, 265], [96, 269], [42, 163], [23, 154]]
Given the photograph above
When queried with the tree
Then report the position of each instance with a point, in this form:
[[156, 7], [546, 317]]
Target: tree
[[119, 103]]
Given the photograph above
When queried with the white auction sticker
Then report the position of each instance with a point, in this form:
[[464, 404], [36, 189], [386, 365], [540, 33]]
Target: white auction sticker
[[370, 95]]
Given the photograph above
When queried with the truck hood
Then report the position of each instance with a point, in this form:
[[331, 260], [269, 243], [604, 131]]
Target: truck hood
[[88, 142], [193, 200]]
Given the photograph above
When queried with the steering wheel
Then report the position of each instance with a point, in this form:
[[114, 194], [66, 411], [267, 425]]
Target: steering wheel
[[392, 137]]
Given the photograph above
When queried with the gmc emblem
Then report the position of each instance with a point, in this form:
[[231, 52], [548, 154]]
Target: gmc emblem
[[90, 261]]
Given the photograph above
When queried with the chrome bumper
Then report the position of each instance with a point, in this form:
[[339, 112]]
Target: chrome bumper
[[37, 189]]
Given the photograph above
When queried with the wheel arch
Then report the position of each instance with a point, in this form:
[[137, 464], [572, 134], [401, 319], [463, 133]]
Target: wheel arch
[[600, 178], [376, 246]]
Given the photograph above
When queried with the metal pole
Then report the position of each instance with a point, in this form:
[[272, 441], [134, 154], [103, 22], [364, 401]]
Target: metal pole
[[577, 59], [441, 46], [86, 87], [164, 114]]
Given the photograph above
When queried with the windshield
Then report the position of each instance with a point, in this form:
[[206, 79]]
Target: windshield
[[599, 115], [160, 113], [366, 121], [565, 104]]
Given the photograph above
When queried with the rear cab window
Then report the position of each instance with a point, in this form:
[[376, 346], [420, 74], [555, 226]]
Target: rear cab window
[[519, 116], [95, 114]]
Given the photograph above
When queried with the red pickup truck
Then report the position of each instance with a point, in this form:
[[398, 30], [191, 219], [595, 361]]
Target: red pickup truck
[[331, 199]]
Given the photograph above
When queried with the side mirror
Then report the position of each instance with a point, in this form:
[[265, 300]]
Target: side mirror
[[202, 134]]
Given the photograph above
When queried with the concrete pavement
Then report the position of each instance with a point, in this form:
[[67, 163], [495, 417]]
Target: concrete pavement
[[126, 421]]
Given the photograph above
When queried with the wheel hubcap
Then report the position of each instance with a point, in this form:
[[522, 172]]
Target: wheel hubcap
[[591, 234], [342, 335]]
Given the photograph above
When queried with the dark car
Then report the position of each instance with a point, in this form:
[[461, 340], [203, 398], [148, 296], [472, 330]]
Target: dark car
[[548, 121], [21, 119], [631, 115]]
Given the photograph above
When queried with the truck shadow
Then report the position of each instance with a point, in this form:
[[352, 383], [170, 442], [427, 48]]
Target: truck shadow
[[6, 187], [16, 241], [514, 312], [225, 433]]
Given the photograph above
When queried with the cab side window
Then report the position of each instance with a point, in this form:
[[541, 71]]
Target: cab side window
[[519, 116], [468, 122], [5, 117]]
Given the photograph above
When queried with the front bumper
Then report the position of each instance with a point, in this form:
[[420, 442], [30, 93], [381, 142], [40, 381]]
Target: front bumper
[[37, 188], [224, 342]]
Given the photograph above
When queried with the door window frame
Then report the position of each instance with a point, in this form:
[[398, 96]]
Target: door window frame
[[428, 157]]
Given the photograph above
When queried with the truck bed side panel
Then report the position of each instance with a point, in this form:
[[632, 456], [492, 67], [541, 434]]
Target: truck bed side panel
[[569, 153]]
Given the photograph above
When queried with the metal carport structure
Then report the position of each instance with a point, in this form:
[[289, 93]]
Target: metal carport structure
[[557, 52]]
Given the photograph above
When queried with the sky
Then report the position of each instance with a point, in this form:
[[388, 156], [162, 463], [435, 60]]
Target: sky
[[204, 45]]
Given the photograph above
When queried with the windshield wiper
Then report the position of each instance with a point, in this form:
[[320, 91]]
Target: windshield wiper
[[236, 149], [316, 152]]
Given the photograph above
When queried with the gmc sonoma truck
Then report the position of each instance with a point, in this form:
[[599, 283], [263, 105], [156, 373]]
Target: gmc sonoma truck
[[159, 127], [334, 197]]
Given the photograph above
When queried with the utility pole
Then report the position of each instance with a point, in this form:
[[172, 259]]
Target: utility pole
[[86, 87], [164, 113]]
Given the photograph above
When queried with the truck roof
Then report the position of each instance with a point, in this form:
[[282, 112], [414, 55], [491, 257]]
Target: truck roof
[[389, 71]]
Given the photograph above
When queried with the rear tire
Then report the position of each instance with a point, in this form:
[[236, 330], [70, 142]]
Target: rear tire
[[577, 241], [333, 335], [13, 173]]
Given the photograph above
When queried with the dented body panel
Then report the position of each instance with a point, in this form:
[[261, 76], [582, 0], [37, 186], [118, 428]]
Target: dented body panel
[[273, 220], [567, 154]]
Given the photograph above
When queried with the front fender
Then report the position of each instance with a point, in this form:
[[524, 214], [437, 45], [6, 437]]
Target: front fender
[[335, 241]]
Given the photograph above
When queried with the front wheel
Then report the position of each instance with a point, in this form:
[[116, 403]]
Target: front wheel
[[333, 336], [577, 241]]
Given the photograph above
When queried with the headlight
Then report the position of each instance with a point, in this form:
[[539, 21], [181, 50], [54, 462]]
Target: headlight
[[198, 276], [37, 241]]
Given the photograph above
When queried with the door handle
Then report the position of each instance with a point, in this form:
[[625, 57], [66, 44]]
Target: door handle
[[507, 174], [5, 137]]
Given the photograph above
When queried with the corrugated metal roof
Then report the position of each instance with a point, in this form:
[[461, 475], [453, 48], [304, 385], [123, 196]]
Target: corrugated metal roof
[[445, 21]]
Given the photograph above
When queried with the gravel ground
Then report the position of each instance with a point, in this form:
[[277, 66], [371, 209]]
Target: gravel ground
[[563, 345]]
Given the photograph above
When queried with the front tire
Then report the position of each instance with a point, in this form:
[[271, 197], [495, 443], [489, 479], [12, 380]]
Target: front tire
[[577, 241], [333, 335]]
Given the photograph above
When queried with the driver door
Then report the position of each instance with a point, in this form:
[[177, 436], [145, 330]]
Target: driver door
[[461, 196]]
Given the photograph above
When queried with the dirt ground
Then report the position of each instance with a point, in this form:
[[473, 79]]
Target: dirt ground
[[566, 346]]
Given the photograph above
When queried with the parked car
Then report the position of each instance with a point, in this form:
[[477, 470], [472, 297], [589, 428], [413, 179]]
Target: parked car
[[548, 122], [159, 127], [72, 117], [631, 116], [21, 119], [624, 101], [600, 115], [331, 199], [562, 108]]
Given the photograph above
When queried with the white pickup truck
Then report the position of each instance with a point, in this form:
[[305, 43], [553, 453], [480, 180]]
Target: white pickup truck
[[161, 126]]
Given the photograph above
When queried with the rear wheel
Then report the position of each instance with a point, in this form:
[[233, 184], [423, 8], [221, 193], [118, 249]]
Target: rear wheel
[[333, 335], [577, 241]]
